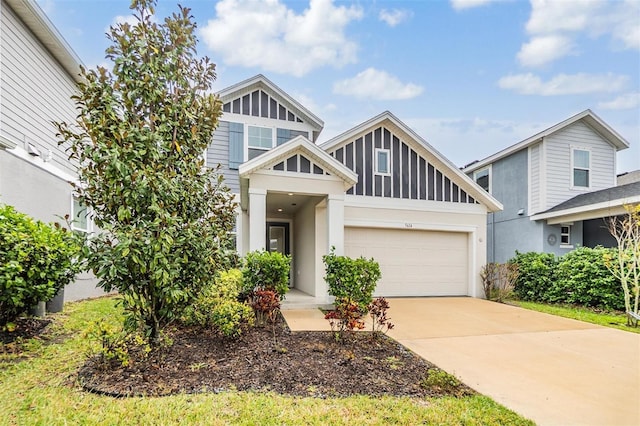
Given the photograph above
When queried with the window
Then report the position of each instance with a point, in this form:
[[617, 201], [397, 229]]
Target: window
[[565, 235], [260, 137], [382, 162], [79, 216], [483, 178], [581, 164]]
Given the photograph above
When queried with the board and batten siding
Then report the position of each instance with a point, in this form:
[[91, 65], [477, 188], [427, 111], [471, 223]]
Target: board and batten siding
[[558, 162], [534, 181], [218, 153], [411, 175], [34, 90]]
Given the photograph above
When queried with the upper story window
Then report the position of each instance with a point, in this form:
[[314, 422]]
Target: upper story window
[[483, 178], [260, 137], [382, 162], [581, 160]]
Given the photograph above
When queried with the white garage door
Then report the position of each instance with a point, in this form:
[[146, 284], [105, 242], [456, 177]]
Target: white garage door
[[414, 262]]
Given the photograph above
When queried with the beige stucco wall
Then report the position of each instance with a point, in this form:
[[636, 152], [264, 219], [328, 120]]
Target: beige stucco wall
[[304, 254]]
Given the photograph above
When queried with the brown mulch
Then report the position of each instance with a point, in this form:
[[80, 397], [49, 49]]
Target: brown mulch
[[298, 363], [25, 328]]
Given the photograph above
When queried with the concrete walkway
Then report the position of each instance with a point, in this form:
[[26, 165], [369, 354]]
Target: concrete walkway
[[553, 370]]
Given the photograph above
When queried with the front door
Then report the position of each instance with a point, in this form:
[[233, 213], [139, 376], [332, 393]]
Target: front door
[[278, 240]]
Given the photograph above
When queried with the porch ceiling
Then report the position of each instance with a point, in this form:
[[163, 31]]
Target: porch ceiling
[[286, 204]]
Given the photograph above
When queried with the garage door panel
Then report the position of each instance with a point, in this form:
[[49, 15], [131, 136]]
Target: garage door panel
[[413, 262]]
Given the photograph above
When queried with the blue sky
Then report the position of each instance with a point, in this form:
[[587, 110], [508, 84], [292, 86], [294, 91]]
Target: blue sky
[[470, 76]]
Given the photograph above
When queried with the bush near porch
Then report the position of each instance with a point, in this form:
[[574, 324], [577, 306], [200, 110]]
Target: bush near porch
[[579, 277]]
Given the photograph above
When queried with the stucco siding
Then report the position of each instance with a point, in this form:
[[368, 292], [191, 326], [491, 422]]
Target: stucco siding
[[218, 153], [34, 91], [558, 162], [504, 238]]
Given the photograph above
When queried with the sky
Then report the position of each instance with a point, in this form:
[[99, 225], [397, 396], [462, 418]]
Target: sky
[[471, 77]]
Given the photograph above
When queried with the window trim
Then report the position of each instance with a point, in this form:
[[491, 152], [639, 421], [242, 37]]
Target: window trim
[[574, 167], [73, 218], [567, 234], [262, 148], [377, 164], [489, 171]]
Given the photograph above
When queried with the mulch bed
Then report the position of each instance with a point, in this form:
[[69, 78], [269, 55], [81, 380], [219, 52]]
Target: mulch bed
[[25, 328], [298, 363]]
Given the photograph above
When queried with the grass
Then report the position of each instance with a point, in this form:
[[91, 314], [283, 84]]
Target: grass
[[607, 319], [41, 390]]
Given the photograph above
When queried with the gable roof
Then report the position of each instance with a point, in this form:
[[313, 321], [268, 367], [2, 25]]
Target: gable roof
[[300, 145], [261, 82], [390, 121], [44, 30], [603, 203], [586, 116]]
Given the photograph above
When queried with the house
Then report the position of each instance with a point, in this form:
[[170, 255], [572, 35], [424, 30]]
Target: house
[[557, 188], [39, 75], [378, 190]]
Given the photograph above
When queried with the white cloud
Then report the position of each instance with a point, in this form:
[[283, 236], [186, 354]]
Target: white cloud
[[625, 101], [395, 16], [468, 4], [124, 19], [269, 35], [559, 23], [375, 84], [563, 84], [542, 50]]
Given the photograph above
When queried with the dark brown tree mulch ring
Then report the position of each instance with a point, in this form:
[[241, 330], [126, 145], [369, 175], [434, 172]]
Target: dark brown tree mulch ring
[[25, 328], [298, 363]]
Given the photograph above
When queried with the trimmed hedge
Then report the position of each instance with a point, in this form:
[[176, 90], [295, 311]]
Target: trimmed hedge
[[265, 270], [351, 279], [579, 277], [36, 261]]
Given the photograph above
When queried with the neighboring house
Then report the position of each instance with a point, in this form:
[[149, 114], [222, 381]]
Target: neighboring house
[[38, 75], [378, 190], [557, 188]]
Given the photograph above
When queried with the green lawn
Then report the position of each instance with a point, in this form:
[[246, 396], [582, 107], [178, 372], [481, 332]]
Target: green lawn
[[607, 319], [40, 389]]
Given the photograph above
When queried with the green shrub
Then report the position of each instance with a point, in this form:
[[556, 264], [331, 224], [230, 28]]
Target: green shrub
[[582, 277], [265, 270], [36, 261], [440, 379], [352, 279], [218, 307], [535, 275]]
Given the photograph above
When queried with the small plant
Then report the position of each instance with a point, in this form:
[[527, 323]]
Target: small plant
[[441, 380], [229, 317], [265, 270], [353, 279], [266, 305], [346, 317], [380, 322], [114, 345], [499, 280]]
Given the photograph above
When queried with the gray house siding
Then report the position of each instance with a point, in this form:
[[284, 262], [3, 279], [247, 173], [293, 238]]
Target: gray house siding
[[558, 163], [411, 175], [218, 153], [34, 90], [534, 181], [551, 239], [507, 231]]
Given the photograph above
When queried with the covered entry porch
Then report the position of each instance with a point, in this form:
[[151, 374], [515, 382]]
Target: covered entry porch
[[292, 201]]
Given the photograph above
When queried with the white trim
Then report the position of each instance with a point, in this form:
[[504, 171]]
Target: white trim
[[554, 217], [567, 234], [74, 217], [542, 205], [6, 143], [416, 226], [415, 205], [38, 162], [472, 264], [573, 149], [377, 165], [530, 180]]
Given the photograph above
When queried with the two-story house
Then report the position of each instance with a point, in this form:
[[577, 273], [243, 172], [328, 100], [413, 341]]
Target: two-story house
[[378, 190], [557, 188], [38, 75]]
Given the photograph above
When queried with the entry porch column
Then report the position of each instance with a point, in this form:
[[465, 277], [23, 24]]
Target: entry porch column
[[257, 218], [335, 223]]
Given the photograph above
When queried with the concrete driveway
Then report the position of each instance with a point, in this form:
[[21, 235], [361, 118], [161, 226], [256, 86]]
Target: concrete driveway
[[553, 370]]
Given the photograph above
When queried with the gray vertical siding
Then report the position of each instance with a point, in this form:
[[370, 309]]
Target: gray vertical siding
[[34, 90], [218, 153], [411, 175]]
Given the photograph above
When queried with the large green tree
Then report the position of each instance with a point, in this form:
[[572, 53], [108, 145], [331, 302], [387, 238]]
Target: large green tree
[[139, 139]]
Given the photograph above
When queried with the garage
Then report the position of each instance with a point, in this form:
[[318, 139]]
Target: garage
[[414, 262]]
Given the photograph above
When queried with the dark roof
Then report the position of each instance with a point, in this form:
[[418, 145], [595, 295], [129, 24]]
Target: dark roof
[[614, 193]]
